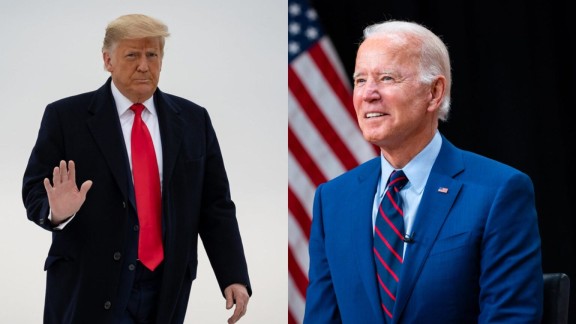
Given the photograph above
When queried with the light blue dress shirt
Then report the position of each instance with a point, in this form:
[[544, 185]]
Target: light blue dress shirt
[[417, 172]]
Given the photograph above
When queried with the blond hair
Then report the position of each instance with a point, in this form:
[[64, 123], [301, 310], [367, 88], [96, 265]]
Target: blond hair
[[134, 26]]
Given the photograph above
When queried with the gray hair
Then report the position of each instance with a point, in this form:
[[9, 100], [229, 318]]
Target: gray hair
[[434, 57]]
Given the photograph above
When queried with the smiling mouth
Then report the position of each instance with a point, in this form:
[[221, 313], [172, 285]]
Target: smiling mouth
[[373, 115]]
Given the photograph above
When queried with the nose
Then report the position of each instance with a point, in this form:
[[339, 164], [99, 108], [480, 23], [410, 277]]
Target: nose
[[143, 64], [370, 91]]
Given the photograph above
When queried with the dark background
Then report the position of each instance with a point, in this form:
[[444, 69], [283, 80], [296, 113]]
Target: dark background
[[513, 92]]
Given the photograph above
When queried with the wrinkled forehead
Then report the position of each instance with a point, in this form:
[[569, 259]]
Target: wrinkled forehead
[[387, 50], [147, 44]]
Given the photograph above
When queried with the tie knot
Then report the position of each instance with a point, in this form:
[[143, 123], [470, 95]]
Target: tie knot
[[137, 108], [397, 179]]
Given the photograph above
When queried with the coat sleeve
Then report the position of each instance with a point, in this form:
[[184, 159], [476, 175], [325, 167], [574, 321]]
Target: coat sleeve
[[511, 280], [219, 228], [45, 155], [321, 304]]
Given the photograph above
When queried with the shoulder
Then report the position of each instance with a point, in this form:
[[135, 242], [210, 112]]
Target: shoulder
[[179, 103], [86, 100], [488, 166], [476, 166], [191, 115], [358, 173], [74, 100]]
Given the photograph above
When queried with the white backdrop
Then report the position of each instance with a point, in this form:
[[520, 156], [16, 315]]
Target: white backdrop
[[228, 56]]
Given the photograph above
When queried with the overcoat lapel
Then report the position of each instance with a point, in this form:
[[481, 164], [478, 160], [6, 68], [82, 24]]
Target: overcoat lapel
[[171, 128], [107, 132], [171, 131]]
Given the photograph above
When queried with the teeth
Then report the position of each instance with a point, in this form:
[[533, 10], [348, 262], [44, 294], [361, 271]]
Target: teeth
[[370, 115]]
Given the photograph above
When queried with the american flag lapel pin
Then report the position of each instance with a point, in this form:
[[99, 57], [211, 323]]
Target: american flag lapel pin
[[443, 190]]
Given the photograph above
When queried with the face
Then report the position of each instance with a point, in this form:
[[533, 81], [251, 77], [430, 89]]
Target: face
[[135, 65], [394, 109]]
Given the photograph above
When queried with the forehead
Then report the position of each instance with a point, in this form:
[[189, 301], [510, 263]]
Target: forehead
[[139, 44], [391, 51]]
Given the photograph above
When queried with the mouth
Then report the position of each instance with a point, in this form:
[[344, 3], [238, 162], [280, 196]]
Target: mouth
[[373, 115]]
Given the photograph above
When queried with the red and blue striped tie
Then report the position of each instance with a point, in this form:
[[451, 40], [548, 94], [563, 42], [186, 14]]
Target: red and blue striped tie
[[389, 242]]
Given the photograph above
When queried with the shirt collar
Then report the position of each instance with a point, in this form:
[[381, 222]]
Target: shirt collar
[[418, 169], [123, 104]]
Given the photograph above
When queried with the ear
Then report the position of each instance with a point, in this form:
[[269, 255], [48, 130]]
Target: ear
[[437, 90], [107, 61]]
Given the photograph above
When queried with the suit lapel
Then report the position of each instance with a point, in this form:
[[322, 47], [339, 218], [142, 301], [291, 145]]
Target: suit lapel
[[107, 133], [439, 195], [362, 206]]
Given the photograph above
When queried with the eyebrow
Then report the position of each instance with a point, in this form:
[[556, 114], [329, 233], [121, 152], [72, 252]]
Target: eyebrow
[[357, 74]]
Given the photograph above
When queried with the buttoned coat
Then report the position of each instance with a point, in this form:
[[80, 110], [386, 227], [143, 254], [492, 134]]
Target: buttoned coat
[[87, 259]]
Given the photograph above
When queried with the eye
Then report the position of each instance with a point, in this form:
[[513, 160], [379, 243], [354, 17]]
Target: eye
[[151, 54], [359, 81], [386, 78]]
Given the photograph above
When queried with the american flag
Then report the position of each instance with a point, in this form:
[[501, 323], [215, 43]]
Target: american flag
[[324, 140]]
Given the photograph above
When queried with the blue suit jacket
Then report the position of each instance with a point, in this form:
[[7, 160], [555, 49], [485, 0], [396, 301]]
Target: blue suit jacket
[[475, 256]]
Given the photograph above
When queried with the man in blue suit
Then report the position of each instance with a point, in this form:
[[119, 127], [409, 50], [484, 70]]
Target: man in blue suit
[[79, 184], [471, 251]]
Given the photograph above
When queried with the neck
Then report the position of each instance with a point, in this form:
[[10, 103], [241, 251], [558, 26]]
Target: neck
[[401, 154]]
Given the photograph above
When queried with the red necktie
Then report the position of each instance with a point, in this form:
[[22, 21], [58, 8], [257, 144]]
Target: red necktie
[[147, 190], [389, 243]]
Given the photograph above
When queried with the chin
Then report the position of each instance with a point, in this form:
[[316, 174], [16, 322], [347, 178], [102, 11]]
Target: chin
[[371, 134]]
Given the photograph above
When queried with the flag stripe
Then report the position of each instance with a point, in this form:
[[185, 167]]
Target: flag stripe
[[332, 56], [324, 140], [319, 119], [297, 274], [299, 213], [330, 106], [330, 75], [296, 302], [300, 184], [298, 243], [304, 159], [312, 141], [291, 319]]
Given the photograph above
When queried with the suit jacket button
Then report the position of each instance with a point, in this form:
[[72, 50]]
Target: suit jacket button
[[117, 256], [123, 204], [107, 304], [131, 267]]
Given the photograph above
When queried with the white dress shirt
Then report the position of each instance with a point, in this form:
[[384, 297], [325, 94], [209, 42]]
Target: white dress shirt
[[126, 115], [150, 118]]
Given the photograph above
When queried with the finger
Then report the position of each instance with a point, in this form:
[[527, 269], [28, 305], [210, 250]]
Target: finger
[[241, 307], [63, 171], [47, 186], [238, 313], [228, 293], [85, 187], [71, 171], [56, 176]]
